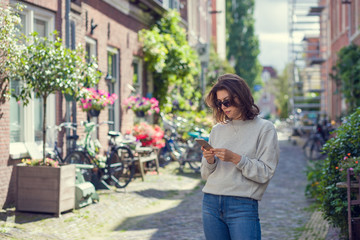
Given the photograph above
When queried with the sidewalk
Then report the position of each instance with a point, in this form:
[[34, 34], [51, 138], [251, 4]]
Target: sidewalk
[[168, 206]]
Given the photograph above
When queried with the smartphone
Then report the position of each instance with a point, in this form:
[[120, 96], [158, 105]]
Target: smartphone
[[203, 143]]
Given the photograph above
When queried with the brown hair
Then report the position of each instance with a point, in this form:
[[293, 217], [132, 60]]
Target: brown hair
[[236, 87]]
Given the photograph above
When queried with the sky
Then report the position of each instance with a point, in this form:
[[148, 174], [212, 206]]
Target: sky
[[271, 26]]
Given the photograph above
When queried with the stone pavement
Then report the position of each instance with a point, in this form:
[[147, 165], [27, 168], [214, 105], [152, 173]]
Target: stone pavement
[[168, 206]]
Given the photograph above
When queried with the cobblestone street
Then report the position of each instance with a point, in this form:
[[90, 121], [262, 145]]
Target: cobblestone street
[[168, 206]]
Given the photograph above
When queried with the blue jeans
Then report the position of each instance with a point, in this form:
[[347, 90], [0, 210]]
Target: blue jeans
[[229, 217]]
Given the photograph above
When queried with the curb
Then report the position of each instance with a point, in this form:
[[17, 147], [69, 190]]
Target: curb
[[316, 228]]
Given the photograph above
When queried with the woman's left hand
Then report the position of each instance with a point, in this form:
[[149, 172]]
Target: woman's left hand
[[226, 155]]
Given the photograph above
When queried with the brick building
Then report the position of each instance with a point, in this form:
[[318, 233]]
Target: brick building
[[108, 30], [340, 26]]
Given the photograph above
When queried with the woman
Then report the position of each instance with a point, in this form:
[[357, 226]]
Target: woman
[[238, 168]]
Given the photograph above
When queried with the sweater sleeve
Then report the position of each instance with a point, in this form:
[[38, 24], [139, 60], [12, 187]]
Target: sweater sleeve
[[262, 168], [206, 168]]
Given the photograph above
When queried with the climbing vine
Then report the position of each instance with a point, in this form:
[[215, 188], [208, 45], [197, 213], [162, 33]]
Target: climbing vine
[[173, 63], [347, 75]]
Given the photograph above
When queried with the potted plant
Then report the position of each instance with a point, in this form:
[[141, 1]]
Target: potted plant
[[149, 135], [93, 100], [142, 106], [44, 186]]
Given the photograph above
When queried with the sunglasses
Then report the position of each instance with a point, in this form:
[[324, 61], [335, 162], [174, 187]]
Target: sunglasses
[[226, 103]]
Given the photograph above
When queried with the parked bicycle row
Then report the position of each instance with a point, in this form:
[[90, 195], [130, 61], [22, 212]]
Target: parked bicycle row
[[118, 164]]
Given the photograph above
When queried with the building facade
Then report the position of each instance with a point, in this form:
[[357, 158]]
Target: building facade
[[107, 30], [340, 26]]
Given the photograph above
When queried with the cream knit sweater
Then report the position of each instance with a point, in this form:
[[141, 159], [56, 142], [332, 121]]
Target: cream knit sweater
[[256, 141]]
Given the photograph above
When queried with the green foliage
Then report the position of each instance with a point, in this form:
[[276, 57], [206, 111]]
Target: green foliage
[[216, 67], [333, 199], [314, 173], [347, 74], [45, 66], [10, 48], [281, 91], [172, 61], [242, 43]]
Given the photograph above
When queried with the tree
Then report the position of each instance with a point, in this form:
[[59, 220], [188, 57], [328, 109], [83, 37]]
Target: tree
[[173, 63], [216, 67], [46, 66], [281, 91], [242, 44], [10, 48]]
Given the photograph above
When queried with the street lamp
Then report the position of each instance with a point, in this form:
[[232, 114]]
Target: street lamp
[[108, 78]]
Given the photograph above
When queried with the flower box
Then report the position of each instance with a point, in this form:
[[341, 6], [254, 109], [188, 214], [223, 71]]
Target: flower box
[[45, 189]]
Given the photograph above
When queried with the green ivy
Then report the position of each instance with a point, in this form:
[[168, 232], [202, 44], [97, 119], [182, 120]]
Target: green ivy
[[173, 63], [347, 75]]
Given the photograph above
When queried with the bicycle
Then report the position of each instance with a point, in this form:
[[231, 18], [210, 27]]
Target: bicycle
[[55, 152], [177, 150], [118, 166], [192, 154], [313, 147]]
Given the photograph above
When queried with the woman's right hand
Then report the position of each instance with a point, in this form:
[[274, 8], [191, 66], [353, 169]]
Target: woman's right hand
[[208, 155]]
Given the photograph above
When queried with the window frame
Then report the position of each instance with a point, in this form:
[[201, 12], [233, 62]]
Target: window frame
[[139, 62], [115, 85]]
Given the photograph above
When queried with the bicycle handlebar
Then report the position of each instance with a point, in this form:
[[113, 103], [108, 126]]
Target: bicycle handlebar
[[89, 126], [68, 125]]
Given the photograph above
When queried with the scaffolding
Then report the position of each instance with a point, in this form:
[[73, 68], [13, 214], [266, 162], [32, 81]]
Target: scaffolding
[[307, 50]]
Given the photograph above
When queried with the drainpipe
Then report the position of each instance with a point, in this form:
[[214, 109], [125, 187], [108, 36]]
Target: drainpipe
[[67, 45], [349, 16], [348, 2]]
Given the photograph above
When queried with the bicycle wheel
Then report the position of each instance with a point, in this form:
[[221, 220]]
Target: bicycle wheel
[[307, 148], [316, 152], [194, 157], [121, 168], [78, 157]]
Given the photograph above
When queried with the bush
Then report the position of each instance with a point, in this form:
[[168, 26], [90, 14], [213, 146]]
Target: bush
[[333, 200]]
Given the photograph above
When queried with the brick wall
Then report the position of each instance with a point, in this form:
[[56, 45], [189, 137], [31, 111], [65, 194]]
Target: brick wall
[[5, 170]]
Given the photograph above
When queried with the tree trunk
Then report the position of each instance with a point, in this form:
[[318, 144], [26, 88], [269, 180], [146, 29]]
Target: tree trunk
[[44, 126]]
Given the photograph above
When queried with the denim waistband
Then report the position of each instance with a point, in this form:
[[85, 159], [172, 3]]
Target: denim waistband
[[229, 196]]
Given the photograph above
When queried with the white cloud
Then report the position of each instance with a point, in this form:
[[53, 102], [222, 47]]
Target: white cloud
[[274, 37], [271, 26]]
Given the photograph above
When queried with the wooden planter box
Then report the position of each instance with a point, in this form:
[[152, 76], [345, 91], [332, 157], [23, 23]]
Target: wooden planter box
[[45, 189]]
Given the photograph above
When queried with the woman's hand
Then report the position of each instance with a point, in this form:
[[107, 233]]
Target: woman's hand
[[226, 155], [208, 155]]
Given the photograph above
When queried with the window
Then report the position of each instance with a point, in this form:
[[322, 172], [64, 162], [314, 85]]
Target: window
[[26, 122], [137, 75], [112, 81], [90, 48]]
